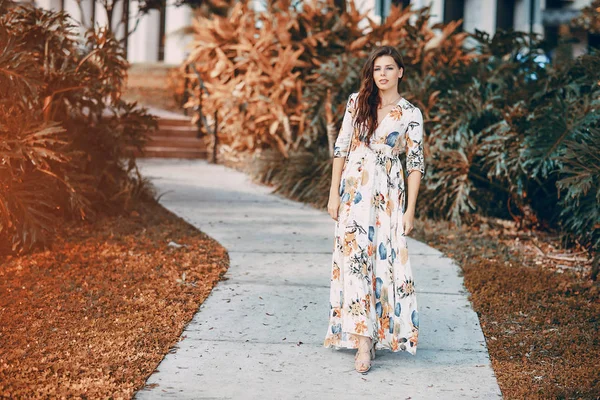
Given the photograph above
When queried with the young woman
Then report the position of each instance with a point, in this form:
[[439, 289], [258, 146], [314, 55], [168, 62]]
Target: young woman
[[373, 304]]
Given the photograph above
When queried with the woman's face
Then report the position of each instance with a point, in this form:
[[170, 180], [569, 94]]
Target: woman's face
[[386, 73]]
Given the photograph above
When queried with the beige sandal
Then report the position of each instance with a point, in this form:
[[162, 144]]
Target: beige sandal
[[361, 364]]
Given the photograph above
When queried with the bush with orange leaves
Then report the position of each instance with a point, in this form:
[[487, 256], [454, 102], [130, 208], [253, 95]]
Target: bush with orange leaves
[[278, 78], [64, 132], [505, 133]]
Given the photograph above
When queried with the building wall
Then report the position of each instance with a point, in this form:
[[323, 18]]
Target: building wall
[[522, 13], [176, 42], [143, 44], [437, 11], [48, 4], [437, 8], [480, 14]]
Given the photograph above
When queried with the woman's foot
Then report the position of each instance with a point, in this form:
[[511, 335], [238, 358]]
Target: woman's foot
[[364, 354]]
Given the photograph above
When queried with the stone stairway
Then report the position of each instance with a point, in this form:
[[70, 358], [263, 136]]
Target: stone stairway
[[175, 137]]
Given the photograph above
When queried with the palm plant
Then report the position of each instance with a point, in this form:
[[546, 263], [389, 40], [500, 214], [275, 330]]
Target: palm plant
[[565, 149], [509, 141], [63, 129], [475, 142]]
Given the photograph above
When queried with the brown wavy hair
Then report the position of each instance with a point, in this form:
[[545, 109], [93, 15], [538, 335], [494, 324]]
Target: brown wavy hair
[[368, 96]]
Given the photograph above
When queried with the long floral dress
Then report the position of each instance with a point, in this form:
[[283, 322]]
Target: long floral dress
[[372, 287]]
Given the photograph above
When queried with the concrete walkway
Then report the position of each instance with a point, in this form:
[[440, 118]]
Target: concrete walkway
[[259, 334]]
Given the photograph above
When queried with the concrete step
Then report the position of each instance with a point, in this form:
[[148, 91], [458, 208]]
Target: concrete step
[[176, 131], [149, 75], [176, 141], [176, 137], [178, 122], [173, 152]]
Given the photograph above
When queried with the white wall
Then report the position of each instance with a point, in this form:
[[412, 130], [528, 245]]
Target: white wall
[[49, 4], [579, 4], [480, 14], [83, 16], [176, 43], [142, 45], [521, 18], [102, 17], [437, 11], [144, 42], [367, 6], [437, 8]]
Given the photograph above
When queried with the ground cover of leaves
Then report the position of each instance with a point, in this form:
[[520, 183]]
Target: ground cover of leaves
[[93, 317], [539, 312]]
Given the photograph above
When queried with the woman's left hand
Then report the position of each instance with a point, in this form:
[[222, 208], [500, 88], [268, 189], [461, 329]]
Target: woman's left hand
[[408, 220]]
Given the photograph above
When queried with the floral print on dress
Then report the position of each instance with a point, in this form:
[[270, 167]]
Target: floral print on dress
[[372, 286]]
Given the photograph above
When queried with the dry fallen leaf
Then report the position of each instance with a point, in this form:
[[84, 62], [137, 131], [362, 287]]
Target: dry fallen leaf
[[86, 335]]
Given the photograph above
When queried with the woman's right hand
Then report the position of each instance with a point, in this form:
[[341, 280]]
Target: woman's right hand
[[333, 205]]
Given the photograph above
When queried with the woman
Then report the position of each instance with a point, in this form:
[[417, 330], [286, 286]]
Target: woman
[[373, 304]]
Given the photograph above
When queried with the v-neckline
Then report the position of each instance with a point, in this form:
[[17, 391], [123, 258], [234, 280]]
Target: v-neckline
[[389, 112]]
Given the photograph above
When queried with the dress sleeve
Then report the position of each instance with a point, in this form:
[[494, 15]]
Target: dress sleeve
[[342, 143], [414, 143]]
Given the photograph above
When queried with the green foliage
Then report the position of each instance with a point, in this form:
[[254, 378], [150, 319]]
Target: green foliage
[[577, 154], [518, 140], [63, 128], [475, 144]]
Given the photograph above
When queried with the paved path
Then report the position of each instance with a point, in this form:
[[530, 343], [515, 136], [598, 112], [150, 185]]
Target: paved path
[[259, 334]]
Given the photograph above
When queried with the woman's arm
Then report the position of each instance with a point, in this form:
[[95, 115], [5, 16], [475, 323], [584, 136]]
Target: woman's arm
[[340, 151], [413, 183], [333, 205], [415, 166]]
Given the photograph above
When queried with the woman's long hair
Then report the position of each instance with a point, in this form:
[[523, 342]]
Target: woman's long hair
[[368, 96]]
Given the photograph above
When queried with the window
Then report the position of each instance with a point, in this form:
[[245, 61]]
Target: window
[[505, 14], [454, 10], [382, 7]]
